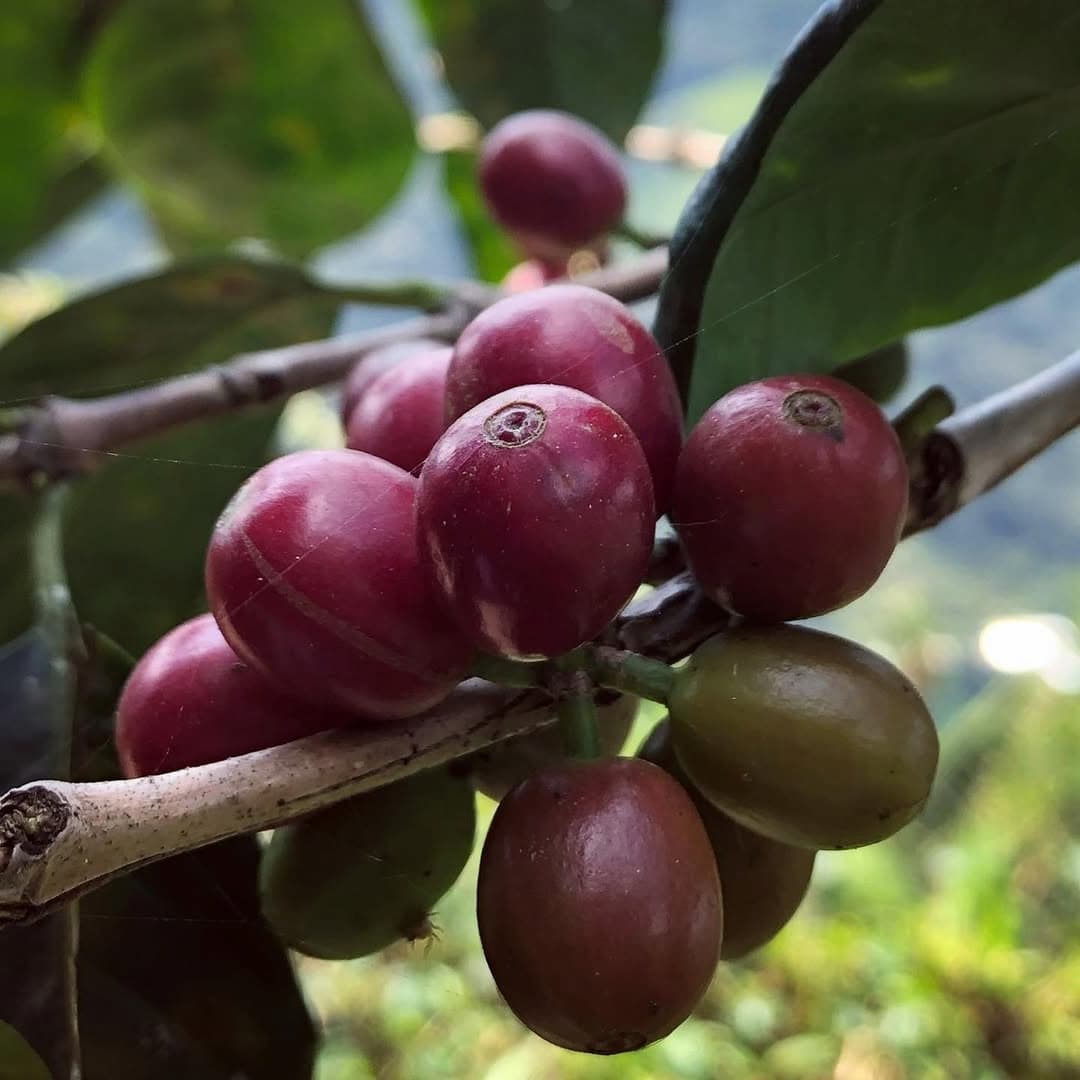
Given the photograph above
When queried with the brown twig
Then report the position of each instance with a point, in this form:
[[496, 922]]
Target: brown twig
[[58, 840], [65, 436]]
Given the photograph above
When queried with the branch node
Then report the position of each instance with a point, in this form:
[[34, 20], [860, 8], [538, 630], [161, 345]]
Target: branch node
[[31, 819]]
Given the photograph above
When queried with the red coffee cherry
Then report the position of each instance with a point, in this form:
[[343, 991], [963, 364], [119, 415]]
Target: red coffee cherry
[[366, 370], [535, 518], [403, 411], [599, 905], [191, 700], [790, 497], [575, 336], [553, 181], [314, 577]]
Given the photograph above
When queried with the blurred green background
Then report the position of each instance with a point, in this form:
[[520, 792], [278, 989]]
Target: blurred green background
[[951, 951]]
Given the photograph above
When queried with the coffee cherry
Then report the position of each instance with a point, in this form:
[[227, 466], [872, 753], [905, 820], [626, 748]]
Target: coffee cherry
[[598, 904], [553, 181], [353, 879], [803, 736], [314, 577], [506, 764], [763, 882], [402, 412], [575, 336], [790, 497], [366, 370], [535, 520], [190, 701]]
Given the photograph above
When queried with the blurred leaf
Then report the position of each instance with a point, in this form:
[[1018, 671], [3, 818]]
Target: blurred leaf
[[179, 977], [158, 325], [34, 115], [593, 58], [493, 253], [17, 1058], [238, 118], [910, 163]]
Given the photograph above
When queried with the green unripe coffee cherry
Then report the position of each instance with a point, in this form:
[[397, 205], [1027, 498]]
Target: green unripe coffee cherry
[[354, 878], [803, 736]]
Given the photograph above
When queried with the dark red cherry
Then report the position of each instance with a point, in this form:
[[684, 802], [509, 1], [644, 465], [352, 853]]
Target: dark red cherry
[[403, 412], [553, 181], [574, 336], [191, 700], [599, 905], [790, 497], [535, 519], [314, 576]]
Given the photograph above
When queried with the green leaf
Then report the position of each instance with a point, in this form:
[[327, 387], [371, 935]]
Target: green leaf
[[43, 178], [238, 118], [912, 162], [17, 1059], [593, 58], [492, 252], [178, 320]]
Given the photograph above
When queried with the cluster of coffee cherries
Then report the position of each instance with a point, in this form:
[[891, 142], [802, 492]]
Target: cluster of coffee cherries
[[499, 498]]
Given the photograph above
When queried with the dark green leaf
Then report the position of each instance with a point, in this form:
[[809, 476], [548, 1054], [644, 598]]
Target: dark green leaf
[[911, 163], [493, 254], [593, 58], [17, 1058], [179, 977], [175, 321], [246, 119]]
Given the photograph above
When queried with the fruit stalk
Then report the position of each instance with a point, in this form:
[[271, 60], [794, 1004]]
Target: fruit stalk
[[576, 707]]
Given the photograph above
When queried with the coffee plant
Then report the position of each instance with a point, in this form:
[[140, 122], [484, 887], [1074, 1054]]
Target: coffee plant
[[544, 503]]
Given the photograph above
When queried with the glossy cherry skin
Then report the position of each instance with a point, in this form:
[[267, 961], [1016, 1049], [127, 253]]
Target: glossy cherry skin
[[403, 411], [535, 520], [553, 181], [790, 497], [575, 336], [366, 370], [599, 905], [191, 700], [314, 577]]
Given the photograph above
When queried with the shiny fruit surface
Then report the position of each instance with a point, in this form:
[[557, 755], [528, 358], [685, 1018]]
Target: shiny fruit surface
[[350, 880], [762, 881], [191, 700], [314, 577], [403, 411], [790, 496], [598, 904], [574, 336], [803, 736], [535, 520], [555, 182], [504, 765]]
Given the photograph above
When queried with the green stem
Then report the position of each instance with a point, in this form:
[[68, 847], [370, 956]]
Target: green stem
[[630, 672], [424, 295], [915, 423], [575, 706], [498, 669]]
